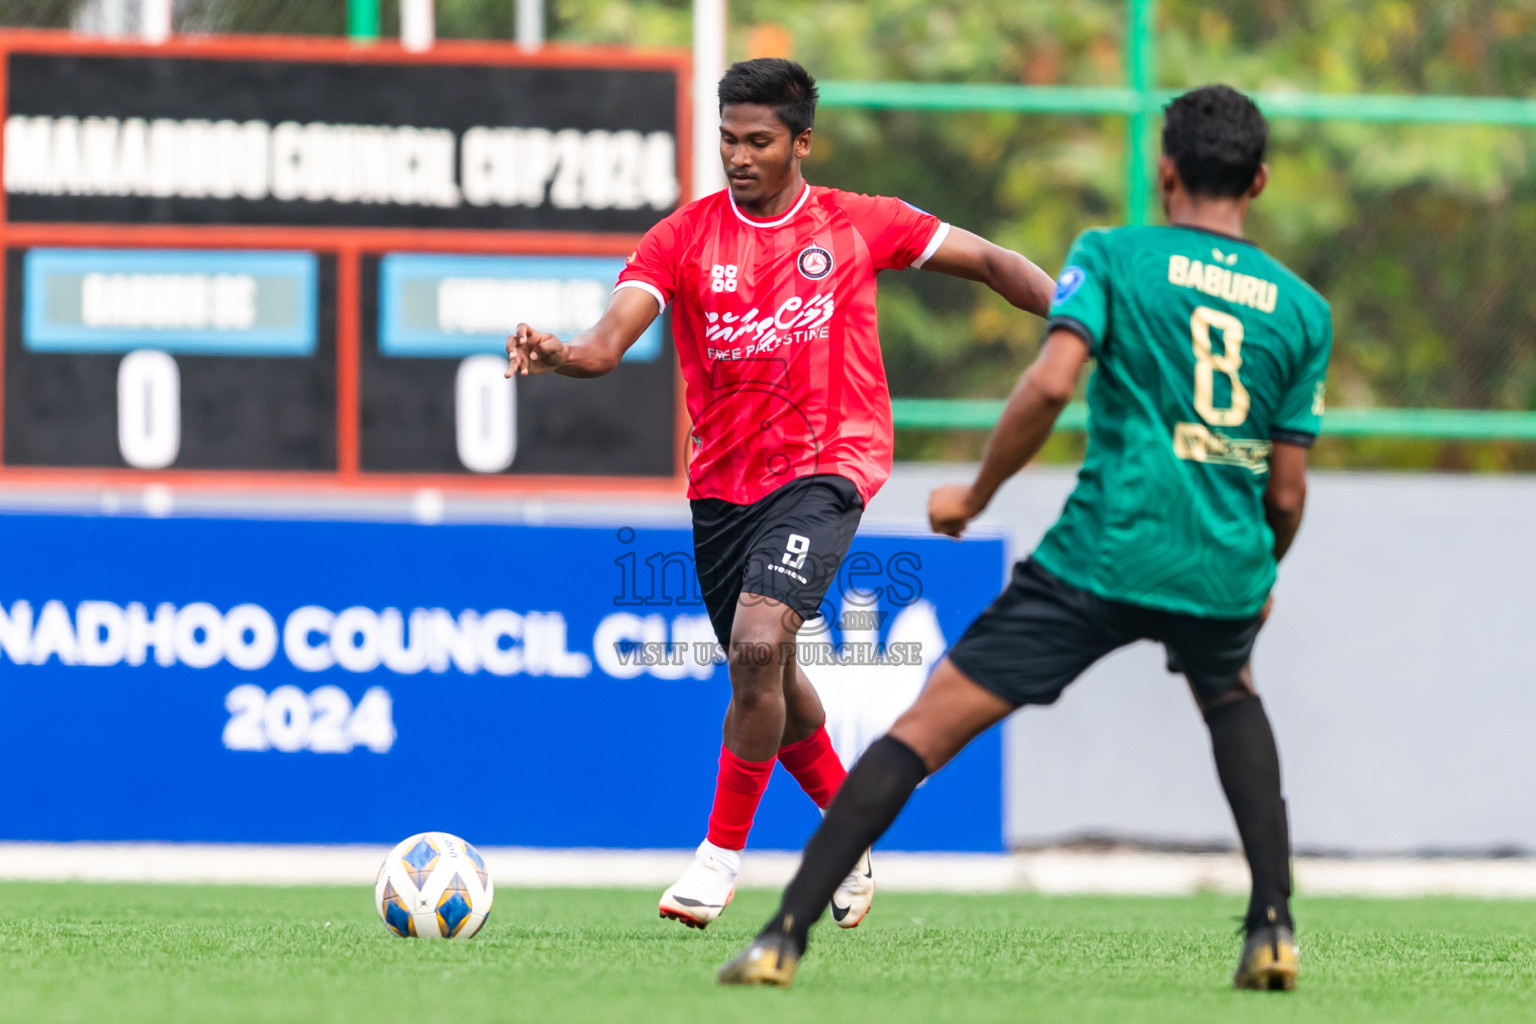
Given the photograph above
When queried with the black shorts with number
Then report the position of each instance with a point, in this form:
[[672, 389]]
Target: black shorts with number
[[1042, 633], [787, 545]]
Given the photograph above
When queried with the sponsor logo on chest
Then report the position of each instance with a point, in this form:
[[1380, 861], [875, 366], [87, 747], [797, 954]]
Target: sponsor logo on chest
[[729, 334]]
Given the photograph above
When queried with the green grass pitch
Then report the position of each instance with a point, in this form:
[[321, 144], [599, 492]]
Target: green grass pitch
[[128, 953]]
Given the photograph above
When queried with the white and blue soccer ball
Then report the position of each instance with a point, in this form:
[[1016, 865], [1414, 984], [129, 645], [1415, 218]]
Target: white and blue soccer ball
[[433, 886]]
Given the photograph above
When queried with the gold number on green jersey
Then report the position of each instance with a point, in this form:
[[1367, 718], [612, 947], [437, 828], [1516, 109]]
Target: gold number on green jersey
[[1208, 362]]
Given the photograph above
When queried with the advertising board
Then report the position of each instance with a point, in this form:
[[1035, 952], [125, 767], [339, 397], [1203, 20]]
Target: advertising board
[[270, 681]]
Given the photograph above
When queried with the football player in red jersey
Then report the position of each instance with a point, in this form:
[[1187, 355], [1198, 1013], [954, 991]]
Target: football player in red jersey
[[772, 282]]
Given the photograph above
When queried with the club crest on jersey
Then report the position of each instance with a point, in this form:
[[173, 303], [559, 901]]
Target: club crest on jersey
[[814, 263]]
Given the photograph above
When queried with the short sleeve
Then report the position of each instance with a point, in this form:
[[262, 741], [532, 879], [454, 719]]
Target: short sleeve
[[1081, 302], [652, 267], [1301, 409], [898, 234]]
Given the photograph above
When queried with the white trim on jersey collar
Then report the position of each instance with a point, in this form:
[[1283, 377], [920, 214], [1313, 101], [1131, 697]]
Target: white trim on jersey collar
[[940, 233], [649, 289], [804, 195]]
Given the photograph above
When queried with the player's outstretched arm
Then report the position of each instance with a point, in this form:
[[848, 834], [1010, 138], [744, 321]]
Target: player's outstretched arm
[[1286, 496], [593, 352], [963, 254], [1038, 398]]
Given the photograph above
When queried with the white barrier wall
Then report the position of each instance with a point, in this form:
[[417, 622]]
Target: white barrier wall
[[1398, 667], [1398, 670]]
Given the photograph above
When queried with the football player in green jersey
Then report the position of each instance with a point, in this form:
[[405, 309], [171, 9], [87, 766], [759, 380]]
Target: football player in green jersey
[[1206, 395]]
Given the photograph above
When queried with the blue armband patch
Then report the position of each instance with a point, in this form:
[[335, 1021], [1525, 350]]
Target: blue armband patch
[[1070, 281]]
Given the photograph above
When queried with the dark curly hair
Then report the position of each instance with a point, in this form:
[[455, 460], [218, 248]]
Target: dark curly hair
[[1216, 137], [773, 82]]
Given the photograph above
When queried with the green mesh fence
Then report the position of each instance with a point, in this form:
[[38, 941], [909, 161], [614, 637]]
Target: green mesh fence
[[1404, 182]]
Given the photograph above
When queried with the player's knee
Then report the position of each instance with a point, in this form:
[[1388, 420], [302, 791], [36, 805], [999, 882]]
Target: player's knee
[[756, 665], [1240, 687], [755, 659], [1212, 704], [759, 646], [753, 691]]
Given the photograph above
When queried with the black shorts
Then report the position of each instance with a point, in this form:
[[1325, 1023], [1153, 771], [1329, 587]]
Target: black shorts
[[787, 545], [1042, 633]]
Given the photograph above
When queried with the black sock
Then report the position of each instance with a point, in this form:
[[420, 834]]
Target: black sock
[[1249, 767], [869, 800]]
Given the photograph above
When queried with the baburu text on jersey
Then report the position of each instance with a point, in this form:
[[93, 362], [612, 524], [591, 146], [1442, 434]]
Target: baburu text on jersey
[[1218, 281]]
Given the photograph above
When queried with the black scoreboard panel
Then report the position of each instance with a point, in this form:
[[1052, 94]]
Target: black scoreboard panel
[[73, 398], [424, 407], [306, 143], [276, 256]]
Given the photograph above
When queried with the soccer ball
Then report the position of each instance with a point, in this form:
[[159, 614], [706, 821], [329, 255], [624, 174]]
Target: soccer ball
[[433, 886]]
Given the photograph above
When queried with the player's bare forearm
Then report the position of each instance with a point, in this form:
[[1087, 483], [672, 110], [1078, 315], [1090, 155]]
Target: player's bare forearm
[[1285, 498], [1037, 400], [590, 354], [593, 352], [1019, 281], [1014, 277], [1285, 526]]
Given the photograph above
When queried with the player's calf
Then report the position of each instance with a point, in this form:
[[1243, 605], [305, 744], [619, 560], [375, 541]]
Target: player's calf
[[1248, 765]]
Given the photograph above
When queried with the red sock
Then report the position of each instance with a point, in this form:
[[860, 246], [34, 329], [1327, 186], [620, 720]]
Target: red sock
[[738, 789], [815, 765]]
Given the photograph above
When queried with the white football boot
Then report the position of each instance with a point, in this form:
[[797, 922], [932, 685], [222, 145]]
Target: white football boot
[[706, 887], [851, 901]]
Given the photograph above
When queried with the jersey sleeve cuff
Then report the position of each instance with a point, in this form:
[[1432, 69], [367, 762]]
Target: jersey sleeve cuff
[[939, 234], [649, 289], [1300, 437], [1077, 327]]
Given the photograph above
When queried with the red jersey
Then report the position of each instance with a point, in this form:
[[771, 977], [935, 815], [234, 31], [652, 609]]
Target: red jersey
[[774, 322]]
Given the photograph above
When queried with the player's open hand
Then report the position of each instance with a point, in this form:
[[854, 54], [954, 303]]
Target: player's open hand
[[531, 351], [951, 509]]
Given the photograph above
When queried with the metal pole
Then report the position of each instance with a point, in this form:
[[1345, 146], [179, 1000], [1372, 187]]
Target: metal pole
[[154, 20], [1068, 99], [1139, 56], [709, 20], [363, 20], [418, 25], [114, 18], [530, 24]]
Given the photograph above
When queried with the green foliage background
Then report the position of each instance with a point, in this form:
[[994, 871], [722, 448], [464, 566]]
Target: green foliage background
[[1423, 237]]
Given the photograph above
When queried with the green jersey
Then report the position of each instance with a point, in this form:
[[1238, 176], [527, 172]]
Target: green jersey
[[1208, 350]]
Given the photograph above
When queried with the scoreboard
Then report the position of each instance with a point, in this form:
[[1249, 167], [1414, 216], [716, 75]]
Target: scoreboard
[[297, 260]]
